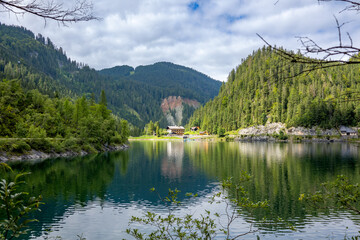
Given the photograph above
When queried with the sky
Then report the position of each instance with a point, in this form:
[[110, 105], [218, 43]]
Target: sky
[[210, 36]]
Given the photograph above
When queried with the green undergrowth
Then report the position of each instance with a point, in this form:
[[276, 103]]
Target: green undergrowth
[[18, 146]]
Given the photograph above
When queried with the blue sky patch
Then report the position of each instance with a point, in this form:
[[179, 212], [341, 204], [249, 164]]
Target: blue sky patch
[[193, 6], [232, 19]]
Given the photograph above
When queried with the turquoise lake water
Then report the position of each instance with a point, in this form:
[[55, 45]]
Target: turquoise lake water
[[95, 196]]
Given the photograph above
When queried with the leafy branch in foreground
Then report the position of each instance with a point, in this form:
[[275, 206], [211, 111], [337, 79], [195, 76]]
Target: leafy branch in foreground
[[15, 207], [337, 194], [172, 226]]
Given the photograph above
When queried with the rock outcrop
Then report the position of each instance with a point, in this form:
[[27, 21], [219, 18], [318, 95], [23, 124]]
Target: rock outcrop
[[275, 128], [173, 107]]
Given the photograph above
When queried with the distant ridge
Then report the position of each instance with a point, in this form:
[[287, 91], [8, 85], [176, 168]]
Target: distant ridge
[[117, 71], [133, 94]]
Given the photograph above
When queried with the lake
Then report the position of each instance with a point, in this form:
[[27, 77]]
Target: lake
[[95, 196]]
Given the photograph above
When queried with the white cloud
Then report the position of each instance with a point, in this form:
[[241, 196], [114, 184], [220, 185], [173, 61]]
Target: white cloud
[[212, 39]]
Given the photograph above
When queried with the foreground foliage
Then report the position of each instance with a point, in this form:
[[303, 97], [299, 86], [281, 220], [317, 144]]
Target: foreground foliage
[[15, 206], [173, 226], [337, 194], [340, 193]]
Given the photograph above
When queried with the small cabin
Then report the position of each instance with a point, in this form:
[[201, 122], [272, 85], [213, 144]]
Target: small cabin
[[176, 130], [194, 129], [346, 131]]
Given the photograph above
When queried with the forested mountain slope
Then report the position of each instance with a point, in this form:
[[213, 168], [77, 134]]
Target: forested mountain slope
[[133, 94], [261, 90], [174, 80]]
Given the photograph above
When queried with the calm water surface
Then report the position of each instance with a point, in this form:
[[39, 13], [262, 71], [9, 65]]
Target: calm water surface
[[97, 195]]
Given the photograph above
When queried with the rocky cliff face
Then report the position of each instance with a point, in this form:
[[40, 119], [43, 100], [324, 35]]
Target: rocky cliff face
[[173, 109]]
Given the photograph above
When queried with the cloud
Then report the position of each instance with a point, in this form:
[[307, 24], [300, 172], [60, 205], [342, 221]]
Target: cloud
[[210, 36]]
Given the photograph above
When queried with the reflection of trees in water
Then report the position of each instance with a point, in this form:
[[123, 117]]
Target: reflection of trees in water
[[172, 162], [80, 178], [158, 164], [280, 171], [299, 168], [274, 152], [152, 149], [65, 183]]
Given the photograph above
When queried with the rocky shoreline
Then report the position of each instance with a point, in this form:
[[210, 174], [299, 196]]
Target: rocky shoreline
[[277, 132], [290, 139], [39, 155]]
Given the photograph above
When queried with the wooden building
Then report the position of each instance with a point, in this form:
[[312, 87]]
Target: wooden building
[[176, 130]]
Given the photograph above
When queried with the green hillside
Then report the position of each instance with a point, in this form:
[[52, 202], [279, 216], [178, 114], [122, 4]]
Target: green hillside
[[261, 90], [118, 71], [172, 79], [79, 124], [132, 94]]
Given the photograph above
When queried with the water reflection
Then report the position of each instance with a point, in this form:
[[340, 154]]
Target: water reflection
[[281, 172], [98, 194], [172, 162]]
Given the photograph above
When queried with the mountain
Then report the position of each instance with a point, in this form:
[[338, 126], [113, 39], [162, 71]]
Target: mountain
[[133, 94], [172, 78], [117, 72], [262, 90], [181, 88]]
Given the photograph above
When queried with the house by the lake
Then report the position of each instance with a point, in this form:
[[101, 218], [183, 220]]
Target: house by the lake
[[346, 131], [194, 129], [177, 130]]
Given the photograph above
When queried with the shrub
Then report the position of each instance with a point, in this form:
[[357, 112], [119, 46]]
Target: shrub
[[297, 138], [5, 145], [221, 132], [229, 139], [71, 144], [88, 148], [116, 139], [281, 136], [41, 144], [36, 132], [20, 147]]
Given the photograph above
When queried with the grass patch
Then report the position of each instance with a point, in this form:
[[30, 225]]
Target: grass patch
[[147, 137]]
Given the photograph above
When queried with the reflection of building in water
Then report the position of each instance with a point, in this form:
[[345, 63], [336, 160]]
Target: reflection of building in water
[[172, 163], [349, 150]]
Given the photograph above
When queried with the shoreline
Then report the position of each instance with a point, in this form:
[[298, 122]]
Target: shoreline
[[34, 155], [259, 138], [296, 139]]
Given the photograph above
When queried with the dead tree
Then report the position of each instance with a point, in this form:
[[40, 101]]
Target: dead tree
[[313, 56], [82, 10]]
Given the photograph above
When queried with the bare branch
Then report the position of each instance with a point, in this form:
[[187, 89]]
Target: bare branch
[[353, 5], [338, 55], [334, 56], [81, 11]]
